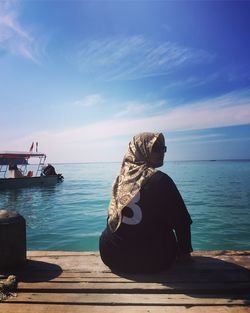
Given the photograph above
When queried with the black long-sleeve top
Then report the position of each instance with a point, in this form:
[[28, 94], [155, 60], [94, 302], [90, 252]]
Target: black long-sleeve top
[[154, 226]]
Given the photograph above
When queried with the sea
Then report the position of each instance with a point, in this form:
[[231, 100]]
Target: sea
[[71, 215]]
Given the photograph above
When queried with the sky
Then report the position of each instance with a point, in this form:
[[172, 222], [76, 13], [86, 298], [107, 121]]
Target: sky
[[83, 77]]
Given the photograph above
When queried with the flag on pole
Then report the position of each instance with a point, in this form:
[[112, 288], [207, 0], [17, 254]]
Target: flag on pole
[[31, 147]]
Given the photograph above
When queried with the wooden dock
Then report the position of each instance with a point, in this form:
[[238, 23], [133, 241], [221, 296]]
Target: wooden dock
[[59, 282]]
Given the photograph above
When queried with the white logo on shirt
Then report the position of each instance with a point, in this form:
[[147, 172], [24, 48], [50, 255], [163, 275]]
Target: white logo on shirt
[[137, 213]]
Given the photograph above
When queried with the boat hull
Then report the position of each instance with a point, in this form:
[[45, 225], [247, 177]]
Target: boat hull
[[23, 182]]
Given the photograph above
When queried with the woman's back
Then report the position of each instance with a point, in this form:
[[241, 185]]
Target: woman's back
[[145, 210]]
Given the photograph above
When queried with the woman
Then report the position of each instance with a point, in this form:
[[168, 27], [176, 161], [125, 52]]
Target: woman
[[148, 223]]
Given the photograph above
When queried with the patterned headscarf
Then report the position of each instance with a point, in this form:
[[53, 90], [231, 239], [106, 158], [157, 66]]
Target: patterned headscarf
[[135, 172]]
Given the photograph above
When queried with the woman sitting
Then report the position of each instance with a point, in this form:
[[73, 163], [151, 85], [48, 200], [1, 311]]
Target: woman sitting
[[148, 223]]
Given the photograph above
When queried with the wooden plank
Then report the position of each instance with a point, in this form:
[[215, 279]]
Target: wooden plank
[[86, 263], [134, 287], [91, 261], [198, 263], [127, 299], [95, 253], [231, 277], [38, 253], [37, 308]]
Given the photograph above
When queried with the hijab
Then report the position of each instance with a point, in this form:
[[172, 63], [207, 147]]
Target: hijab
[[134, 173]]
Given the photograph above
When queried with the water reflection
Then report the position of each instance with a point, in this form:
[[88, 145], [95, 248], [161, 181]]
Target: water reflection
[[28, 202]]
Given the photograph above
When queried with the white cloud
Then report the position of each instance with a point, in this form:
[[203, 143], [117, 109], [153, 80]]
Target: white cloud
[[90, 100], [132, 109], [135, 57], [14, 38], [196, 138], [95, 142], [135, 108]]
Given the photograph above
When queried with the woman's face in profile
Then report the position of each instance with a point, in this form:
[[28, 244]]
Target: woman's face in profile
[[158, 152]]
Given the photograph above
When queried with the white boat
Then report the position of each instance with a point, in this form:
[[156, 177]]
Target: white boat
[[16, 172]]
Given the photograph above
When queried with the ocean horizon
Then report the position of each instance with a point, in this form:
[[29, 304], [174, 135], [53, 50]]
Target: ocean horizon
[[191, 160], [71, 215]]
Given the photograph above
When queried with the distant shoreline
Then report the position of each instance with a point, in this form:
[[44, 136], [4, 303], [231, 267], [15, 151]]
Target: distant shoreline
[[110, 162]]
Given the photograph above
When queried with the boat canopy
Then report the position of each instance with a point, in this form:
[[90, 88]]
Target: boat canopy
[[18, 157]]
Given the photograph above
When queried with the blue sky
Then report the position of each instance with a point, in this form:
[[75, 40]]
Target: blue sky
[[83, 77]]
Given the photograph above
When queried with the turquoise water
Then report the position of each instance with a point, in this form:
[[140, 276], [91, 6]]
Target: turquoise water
[[70, 216]]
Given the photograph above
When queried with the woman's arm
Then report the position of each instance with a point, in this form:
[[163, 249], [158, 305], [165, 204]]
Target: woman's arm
[[179, 216]]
